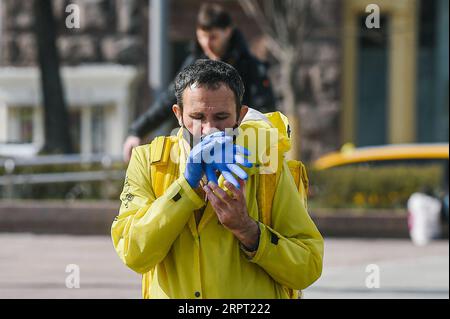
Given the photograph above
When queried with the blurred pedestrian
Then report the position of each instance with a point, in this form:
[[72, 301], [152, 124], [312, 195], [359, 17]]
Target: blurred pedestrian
[[216, 39], [424, 216]]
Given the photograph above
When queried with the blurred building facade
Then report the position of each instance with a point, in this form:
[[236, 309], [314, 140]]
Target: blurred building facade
[[104, 68], [395, 78], [364, 86]]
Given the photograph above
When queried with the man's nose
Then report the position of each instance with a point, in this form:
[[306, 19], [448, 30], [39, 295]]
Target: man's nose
[[208, 128]]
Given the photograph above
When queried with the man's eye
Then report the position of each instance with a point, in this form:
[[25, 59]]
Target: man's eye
[[223, 117], [196, 117]]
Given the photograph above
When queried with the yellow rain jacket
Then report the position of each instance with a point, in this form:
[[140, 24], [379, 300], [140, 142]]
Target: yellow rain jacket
[[156, 234]]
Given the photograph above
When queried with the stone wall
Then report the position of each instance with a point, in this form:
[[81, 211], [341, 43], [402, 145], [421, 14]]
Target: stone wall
[[110, 31]]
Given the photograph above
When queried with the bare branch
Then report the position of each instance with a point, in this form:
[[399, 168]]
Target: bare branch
[[275, 17], [252, 8]]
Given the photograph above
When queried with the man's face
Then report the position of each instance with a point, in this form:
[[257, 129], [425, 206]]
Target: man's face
[[207, 110], [214, 42]]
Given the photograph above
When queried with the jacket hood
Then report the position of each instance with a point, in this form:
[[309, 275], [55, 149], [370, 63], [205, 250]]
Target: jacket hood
[[265, 136]]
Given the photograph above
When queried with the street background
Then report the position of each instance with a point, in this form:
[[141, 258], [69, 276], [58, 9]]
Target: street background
[[349, 74]]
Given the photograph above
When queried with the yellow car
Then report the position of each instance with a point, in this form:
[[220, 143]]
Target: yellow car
[[395, 153]]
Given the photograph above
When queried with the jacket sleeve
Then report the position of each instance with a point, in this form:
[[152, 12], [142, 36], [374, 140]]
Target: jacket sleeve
[[160, 110], [146, 227], [259, 93], [157, 114], [291, 251]]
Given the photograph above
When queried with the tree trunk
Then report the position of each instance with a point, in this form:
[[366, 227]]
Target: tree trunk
[[289, 69], [56, 123], [294, 123]]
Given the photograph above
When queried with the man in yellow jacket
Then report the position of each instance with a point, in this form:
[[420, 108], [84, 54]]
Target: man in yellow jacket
[[192, 235]]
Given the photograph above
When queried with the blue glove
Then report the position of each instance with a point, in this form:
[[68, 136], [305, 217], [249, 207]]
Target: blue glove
[[224, 158], [194, 164]]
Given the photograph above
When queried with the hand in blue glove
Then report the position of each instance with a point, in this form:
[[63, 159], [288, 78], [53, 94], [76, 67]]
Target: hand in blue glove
[[194, 164], [224, 158]]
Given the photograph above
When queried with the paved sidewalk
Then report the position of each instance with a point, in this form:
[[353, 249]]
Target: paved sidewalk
[[405, 271], [34, 266]]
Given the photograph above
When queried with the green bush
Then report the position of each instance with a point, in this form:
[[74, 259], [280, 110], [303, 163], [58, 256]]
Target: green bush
[[370, 187], [352, 187]]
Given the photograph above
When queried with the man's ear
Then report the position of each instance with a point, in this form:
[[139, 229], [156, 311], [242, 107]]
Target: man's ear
[[177, 110], [244, 110]]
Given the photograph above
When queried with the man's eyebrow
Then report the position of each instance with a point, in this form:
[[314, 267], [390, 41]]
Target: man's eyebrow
[[201, 113], [195, 113]]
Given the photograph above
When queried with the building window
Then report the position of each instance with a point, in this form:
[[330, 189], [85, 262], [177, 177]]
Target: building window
[[432, 72], [372, 84], [98, 130], [75, 128], [24, 129]]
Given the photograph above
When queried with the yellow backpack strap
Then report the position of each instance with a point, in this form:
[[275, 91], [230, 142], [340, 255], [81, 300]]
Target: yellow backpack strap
[[298, 172], [265, 196], [163, 170], [160, 150], [267, 186]]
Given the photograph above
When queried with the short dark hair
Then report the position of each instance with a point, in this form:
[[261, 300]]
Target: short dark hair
[[212, 74], [213, 15]]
